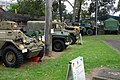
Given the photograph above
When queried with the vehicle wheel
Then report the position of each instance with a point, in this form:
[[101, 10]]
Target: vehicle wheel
[[106, 32], [12, 57], [66, 46], [117, 32], [41, 54], [58, 45], [89, 32], [72, 39]]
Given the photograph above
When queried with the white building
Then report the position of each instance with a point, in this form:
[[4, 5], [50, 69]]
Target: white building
[[5, 4]]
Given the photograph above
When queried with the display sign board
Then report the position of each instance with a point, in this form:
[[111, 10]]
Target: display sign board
[[76, 69], [80, 39]]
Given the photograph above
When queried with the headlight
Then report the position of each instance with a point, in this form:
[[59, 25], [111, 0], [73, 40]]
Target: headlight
[[15, 26], [24, 41], [21, 46]]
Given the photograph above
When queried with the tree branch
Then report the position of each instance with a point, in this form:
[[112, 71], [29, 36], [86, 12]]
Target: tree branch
[[70, 3]]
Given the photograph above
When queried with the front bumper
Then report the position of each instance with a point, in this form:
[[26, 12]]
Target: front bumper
[[32, 52], [67, 40], [67, 43]]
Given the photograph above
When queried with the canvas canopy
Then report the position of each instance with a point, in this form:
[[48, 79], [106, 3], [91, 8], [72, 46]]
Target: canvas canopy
[[111, 24]]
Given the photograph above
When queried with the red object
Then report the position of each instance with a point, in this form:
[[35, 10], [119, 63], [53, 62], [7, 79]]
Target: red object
[[36, 59]]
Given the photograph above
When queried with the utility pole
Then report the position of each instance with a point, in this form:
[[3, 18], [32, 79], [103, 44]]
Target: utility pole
[[48, 24], [96, 16]]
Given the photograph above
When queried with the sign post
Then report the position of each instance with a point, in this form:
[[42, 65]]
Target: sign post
[[76, 69]]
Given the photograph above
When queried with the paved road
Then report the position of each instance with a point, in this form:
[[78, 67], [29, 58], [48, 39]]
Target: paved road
[[114, 43]]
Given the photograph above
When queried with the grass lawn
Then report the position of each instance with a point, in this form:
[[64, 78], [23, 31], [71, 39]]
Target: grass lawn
[[96, 54]]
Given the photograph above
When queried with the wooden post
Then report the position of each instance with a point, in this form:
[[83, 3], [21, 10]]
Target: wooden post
[[48, 19]]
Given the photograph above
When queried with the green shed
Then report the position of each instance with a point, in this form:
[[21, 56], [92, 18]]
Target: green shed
[[111, 25]]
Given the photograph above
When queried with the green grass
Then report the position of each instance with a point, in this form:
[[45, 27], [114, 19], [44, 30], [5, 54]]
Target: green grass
[[96, 54]]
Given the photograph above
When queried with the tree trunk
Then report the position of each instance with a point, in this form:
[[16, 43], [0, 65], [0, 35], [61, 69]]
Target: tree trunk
[[74, 11], [60, 10], [48, 19], [79, 11]]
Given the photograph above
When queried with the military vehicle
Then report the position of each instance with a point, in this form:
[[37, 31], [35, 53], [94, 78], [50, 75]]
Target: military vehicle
[[60, 39], [111, 25], [15, 46], [73, 30], [86, 28]]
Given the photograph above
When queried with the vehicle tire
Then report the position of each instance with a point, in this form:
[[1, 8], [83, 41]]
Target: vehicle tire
[[41, 54], [106, 32], [72, 39], [117, 32], [58, 45], [66, 46], [89, 32], [12, 57]]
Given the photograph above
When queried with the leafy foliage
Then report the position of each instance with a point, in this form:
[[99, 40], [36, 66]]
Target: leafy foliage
[[104, 8], [31, 7], [55, 11], [118, 7]]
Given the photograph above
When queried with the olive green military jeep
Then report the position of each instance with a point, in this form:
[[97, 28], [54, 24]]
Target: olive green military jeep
[[73, 30], [60, 39], [15, 46]]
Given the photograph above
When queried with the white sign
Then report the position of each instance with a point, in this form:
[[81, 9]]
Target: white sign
[[42, 38], [52, 31], [76, 69]]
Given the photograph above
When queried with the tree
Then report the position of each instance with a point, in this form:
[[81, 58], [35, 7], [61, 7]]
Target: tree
[[79, 9], [104, 8], [91, 8], [58, 9], [31, 7], [118, 7], [74, 11], [55, 10]]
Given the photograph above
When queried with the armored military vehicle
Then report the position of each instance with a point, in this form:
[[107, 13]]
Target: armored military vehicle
[[60, 39], [73, 30], [15, 46]]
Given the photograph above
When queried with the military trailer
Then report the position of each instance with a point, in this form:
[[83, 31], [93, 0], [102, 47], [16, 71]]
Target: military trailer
[[111, 25], [15, 46], [60, 39], [73, 30]]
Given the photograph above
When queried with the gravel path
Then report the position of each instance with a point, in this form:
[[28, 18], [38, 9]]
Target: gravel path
[[114, 43]]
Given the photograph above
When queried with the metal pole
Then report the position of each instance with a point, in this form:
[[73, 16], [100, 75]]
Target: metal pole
[[96, 17], [47, 30]]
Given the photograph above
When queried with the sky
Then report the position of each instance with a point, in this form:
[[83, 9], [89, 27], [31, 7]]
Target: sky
[[69, 7], [9, 0]]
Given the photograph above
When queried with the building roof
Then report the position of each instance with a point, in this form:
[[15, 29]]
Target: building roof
[[111, 19]]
